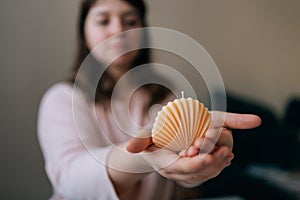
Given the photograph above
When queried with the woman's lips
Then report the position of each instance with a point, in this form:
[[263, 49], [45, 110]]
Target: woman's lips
[[119, 46]]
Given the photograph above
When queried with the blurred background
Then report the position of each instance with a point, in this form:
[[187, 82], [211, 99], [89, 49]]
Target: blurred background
[[255, 44]]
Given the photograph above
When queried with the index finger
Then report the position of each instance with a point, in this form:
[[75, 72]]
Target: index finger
[[234, 120], [241, 121]]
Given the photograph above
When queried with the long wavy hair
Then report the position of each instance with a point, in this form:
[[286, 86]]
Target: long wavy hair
[[106, 83]]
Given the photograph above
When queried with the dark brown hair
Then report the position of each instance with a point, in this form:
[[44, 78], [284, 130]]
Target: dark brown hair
[[106, 82]]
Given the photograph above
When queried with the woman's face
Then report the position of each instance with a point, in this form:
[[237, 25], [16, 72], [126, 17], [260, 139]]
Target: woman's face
[[107, 18]]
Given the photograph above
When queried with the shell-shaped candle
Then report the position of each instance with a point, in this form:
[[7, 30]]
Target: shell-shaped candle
[[180, 123]]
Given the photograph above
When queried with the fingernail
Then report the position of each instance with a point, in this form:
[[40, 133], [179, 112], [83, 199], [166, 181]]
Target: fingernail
[[230, 156], [202, 155], [182, 153]]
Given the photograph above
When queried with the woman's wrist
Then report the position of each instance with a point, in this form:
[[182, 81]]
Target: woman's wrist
[[126, 169]]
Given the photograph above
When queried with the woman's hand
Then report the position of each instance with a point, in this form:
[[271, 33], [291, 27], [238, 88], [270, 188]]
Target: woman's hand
[[187, 167], [215, 139]]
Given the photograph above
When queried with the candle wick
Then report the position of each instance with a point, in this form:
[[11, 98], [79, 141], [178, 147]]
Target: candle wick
[[182, 94]]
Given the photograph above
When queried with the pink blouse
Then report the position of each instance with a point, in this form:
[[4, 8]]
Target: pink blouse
[[72, 170]]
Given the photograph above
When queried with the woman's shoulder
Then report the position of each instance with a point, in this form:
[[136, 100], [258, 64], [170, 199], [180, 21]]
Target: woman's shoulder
[[63, 94], [60, 88], [58, 93]]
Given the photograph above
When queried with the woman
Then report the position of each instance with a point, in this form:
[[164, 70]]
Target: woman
[[72, 169]]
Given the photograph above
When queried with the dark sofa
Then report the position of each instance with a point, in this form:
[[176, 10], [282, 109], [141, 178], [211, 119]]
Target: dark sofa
[[274, 143]]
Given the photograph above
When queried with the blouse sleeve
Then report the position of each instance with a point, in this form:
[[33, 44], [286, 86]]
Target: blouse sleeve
[[71, 168]]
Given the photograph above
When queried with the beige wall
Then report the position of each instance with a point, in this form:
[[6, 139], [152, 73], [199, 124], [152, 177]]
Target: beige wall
[[37, 42], [255, 44]]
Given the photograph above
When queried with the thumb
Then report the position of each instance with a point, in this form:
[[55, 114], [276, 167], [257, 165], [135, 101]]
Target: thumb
[[140, 142]]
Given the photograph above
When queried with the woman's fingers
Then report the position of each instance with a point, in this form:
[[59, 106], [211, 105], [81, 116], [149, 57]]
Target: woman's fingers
[[234, 120], [196, 170], [136, 145], [221, 159], [241, 121], [188, 165], [192, 151], [141, 142]]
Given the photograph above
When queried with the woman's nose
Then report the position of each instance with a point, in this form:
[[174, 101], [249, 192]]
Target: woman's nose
[[116, 27]]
